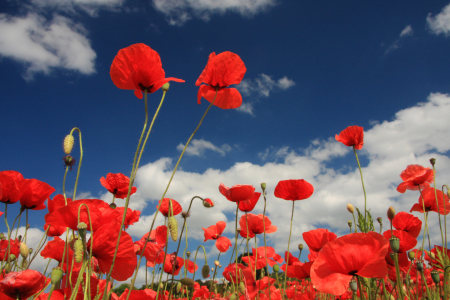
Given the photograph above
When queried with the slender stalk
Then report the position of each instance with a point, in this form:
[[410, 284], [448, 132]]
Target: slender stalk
[[289, 242], [437, 203], [362, 181], [79, 163]]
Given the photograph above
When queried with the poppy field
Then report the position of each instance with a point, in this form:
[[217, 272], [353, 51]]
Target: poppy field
[[89, 239]]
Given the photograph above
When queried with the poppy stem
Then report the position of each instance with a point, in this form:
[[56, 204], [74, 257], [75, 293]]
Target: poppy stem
[[437, 203], [264, 226], [79, 163], [288, 254], [235, 241], [364, 190]]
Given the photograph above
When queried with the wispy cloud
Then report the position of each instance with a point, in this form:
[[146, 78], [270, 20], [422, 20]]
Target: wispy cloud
[[406, 32], [198, 147], [42, 45], [179, 12], [91, 6], [263, 85], [441, 22]]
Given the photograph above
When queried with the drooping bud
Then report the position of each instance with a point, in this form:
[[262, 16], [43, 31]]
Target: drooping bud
[[432, 161], [380, 220], [30, 250], [233, 297], [300, 247], [165, 87], [57, 274], [113, 205], [188, 254], [220, 266], [354, 285], [178, 287], [205, 271], [391, 213], [350, 208], [276, 268], [187, 282], [79, 251], [208, 203], [24, 250], [411, 255], [263, 186], [2, 236], [173, 228], [68, 144], [394, 242], [12, 257], [82, 227]]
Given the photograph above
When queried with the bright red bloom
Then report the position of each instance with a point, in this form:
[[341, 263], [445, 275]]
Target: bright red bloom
[[55, 249], [56, 295], [117, 184], [131, 217], [294, 189], [155, 245], [146, 294], [165, 207], [407, 222], [255, 225], [10, 182], [429, 200], [221, 71], [415, 177], [52, 205], [214, 232], [237, 193], [34, 193], [23, 284], [190, 266], [294, 267], [138, 67], [14, 248], [249, 205], [353, 254], [317, 238], [352, 136], [173, 264], [407, 241], [230, 272]]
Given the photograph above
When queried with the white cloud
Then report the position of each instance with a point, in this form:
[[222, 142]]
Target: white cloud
[[246, 108], [43, 45], [414, 136], [408, 31], [441, 22], [263, 85], [89, 6], [179, 12], [198, 147]]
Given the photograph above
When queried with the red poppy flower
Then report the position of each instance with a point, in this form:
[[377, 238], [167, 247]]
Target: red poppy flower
[[236, 193], [317, 238], [407, 222], [221, 71], [22, 285], [294, 268], [103, 246], [353, 254], [56, 295], [14, 248], [407, 242], [131, 217], [146, 294], [10, 186], [155, 245], [173, 264], [165, 207], [415, 177], [214, 232], [54, 250], [428, 199], [138, 67], [52, 205], [117, 184], [34, 193], [260, 257], [230, 272], [352, 136], [190, 266], [294, 189], [209, 202], [249, 205], [255, 225]]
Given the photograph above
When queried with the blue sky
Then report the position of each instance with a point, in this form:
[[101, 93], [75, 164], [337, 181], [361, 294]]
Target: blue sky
[[313, 68]]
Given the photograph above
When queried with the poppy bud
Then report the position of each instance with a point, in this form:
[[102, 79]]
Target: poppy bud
[[82, 229], [12, 257], [300, 247], [411, 255], [432, 161], [431, 255], [380, 220], [68, 144], [419, 266], [212, 269], [165, 87], [205, 271], [7, 268], [28, 226], [353, 285], [178, 287], [391, 213], [350, 208], [187, 282], [173, 228], [23, 250], [185, 214], [2, 236], [30, 250], [161, 286], [113, 205], [19, 238], [435, 277], [242, 288], [233, 297], [24, 263], [394, 242], [276, 268], [78, 249], [57, 274], [263, 186], [216, 263], [220, 266], [208, 203], [188, 254], [350, 223], [407, 280]]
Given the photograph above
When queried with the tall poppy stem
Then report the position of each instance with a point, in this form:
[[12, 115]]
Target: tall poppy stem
[[289, 242], [364, 189], [79, 163], [437, 203], [264, 226], [235, 241]]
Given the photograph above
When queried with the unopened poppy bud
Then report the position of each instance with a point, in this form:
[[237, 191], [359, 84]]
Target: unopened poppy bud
[[79, 251], [300, 247], [82, 227], [350, 223], [263, 186], [30, 250], [354, 285], [233, 297], [7, 268], [161, 286], [178, 287], [435, 277], [391, 213], [411, 255], [394, 242], [419, 266], [380, 220], [24, 250], [28, 226], [165, 87], [57, 274], [188, 254], [2, 236], [212, 269], [19, 238], [220, 266], [187, 282], [407, 281], [12, 257], [242, 288], [208, 203], [276, 268], [68, 144], [216, 263], [350, 208], [113, 205], [205, 271], [173, 228], [431, 255], [432, 161]]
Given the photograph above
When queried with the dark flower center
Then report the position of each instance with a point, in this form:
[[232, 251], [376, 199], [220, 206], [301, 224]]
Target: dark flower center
[[353, 272], [143, 88]]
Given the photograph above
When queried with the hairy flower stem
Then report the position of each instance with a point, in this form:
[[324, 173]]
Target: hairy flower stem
[[64, 184], [289, 242], [362, 182], [265, 243], [437, 203], [79, 163], [235, 241], [234, 248], [214, 275], [399, 280], [425, 216], [9, 236]]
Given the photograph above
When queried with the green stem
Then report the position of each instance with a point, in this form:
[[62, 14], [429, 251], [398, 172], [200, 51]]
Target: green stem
[[289, 242], [79, 164], [364, 189], [437, 203]]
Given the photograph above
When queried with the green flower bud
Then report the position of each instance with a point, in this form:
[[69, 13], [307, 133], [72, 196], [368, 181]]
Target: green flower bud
[[165, 87], [263, 186], [394, 243], [57, 274], [187, 282], [276, 268], [173, 228], [205, 271], [79, 251]]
